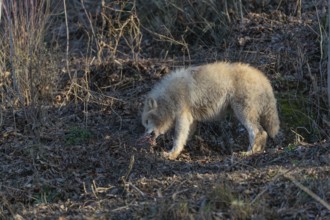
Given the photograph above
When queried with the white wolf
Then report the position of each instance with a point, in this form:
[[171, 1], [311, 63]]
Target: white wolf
[[203, 93]]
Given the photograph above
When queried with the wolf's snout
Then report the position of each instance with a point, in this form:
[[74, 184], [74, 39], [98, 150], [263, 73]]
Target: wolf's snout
[[147, 138]]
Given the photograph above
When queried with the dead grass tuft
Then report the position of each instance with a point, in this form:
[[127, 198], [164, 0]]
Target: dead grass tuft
[[28, 68]]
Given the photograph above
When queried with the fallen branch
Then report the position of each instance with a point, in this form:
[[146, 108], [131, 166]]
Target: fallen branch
[[308, 191]]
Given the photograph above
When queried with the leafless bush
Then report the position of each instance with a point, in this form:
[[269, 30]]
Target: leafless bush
[[26, 66], [109, 29], [195, 22]]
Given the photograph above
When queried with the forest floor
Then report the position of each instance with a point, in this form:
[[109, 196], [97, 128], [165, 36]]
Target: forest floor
[[86, 164]]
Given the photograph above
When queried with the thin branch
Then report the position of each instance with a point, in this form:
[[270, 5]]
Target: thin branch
[[67, 37], [0, 9], [308, 191], [329, 55]]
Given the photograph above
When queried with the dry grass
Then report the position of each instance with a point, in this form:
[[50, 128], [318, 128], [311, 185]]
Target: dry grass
[[72, 85], [28, 68]]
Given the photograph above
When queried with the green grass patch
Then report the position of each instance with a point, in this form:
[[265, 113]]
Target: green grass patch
[[46, 195], [297, 116], [77, 135]]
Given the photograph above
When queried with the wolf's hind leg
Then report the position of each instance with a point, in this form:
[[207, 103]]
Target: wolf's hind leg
[[257, 136], [182, 127], [192, 130]]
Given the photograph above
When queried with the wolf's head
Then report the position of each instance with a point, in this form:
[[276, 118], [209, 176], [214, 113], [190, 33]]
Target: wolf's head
[[155, 119]]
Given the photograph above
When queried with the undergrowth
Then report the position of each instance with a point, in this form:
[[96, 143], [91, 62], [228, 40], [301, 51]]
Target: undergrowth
[[33, 33]]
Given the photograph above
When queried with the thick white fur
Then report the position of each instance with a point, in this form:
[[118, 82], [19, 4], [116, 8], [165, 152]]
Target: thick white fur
[[203, 93]]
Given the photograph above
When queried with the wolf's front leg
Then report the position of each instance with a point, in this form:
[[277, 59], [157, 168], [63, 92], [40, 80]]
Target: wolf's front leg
[[182, 127]]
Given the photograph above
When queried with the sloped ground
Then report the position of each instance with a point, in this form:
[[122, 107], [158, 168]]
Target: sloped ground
[[87, 165]]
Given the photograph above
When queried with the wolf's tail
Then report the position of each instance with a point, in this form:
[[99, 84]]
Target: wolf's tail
[[270, 120]]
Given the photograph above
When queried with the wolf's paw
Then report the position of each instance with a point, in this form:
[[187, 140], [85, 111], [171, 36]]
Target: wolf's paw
[[247, 153], [255, 150], [260, 142], [170, 155]]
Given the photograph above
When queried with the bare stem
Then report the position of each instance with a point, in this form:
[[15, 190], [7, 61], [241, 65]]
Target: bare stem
[[329, 55], [67, 37]]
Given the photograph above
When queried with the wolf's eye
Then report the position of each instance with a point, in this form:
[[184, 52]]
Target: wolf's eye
[[147, 121]]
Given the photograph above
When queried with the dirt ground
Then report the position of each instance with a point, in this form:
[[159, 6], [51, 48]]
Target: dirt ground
[[83, 162]]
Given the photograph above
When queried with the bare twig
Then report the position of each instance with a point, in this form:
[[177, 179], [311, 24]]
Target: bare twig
[[329, 56], [241, 11], [67, 37], [308, 191], [93, 31], [0, 9], [298, 8], [294, 181], [94, 189], [227, 11], [280, 173], [137, 189], [130, 167]]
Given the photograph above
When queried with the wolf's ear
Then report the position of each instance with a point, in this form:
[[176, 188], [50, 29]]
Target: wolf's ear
[[152, 103]]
